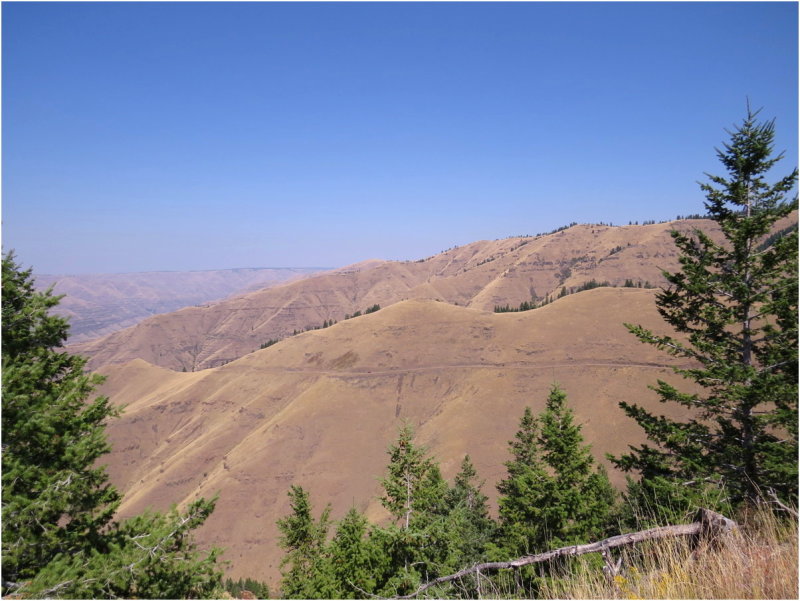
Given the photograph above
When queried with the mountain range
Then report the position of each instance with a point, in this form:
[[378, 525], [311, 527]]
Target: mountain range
[[480, 276], [207, 412]]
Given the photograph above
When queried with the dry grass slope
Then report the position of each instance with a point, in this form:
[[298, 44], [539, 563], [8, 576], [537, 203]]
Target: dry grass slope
[[319, 409]]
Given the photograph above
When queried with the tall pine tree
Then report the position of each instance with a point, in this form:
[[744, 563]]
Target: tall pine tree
[[56, 499], [581, 509], [438, 530], [414, 494], [521, 492], [735, 305], [59, 538]]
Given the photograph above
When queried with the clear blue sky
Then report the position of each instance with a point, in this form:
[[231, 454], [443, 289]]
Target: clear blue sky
[[150, 136]]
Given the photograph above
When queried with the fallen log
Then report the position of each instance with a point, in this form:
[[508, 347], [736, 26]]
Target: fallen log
[[707, 528]]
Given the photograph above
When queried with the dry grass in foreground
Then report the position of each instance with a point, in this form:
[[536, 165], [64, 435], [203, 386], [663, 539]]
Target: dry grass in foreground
[[758, 561]]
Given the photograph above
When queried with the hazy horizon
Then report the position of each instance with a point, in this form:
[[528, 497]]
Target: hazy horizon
[[235, 268], [188, 136]]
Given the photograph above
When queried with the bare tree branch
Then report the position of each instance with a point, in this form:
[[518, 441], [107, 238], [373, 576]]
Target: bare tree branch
[[777, 501], [707, 526]]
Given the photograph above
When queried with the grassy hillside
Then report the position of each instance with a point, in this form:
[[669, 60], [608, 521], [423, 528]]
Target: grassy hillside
[[320, 408]]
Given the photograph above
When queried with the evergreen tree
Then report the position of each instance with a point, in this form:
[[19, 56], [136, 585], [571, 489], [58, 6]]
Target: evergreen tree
[[521, 490], [735, 303], [554, 494], [468, 523], [58, 535], [466, 492], [413, 494], [409, 467], [353, 558], [55, 498], [235, 588], [150, 556], [581, 509], [429, 533], [439, 529], [304, 540]]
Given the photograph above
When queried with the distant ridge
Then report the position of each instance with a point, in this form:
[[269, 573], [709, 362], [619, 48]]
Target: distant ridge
[[479, 275], [100, 304]]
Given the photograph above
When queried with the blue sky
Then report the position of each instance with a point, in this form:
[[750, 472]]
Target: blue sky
[[151, 136]]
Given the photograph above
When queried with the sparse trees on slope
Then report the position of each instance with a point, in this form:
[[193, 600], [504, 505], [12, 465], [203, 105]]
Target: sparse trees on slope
[[736, 305], [236, 587], [58, 535]]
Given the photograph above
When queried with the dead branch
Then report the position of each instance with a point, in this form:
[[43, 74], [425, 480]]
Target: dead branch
[[777, 501], [707, 526]]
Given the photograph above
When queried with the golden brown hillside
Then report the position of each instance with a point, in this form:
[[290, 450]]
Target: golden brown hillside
[[320, 408], [479, 275]]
